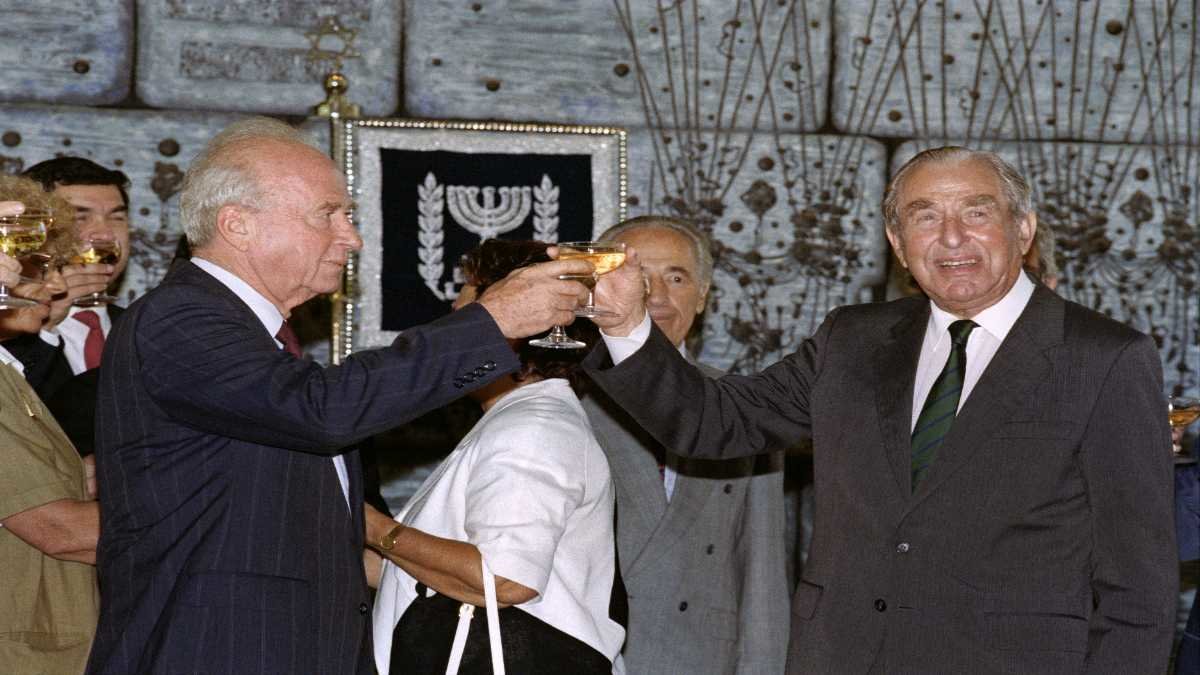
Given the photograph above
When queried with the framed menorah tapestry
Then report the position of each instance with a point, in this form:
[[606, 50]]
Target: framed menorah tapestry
[[427, 191]]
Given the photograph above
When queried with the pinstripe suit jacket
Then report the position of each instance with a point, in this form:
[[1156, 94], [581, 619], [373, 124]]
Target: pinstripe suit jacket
[[227, 544], [705, 572], [1040, 542]]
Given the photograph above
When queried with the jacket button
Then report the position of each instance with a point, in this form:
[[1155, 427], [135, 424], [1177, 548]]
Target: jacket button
[[728, 488], [458, 385], [902, 547], [490, 365], [683, 606], [479, 372], [709, 550], [880, 605], [362, 608]]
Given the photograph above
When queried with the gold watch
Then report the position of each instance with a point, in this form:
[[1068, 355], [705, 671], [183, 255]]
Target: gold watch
[[387, 541]]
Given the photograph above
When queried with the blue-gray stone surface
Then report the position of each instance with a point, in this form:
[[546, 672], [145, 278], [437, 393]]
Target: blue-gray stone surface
[[67, 51], [252, 56]]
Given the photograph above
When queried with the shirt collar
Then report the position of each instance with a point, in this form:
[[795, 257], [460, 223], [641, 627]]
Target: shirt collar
[[997, 320], [8, 359], [268, 314]]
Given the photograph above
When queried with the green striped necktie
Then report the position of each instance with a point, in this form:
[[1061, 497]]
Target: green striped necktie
[[942, 403]]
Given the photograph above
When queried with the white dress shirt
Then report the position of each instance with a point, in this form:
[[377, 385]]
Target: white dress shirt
[[270, 317], [994, 324], [72, 335]]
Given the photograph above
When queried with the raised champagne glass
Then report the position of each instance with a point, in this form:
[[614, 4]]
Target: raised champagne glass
[[94, 250], [604, 256], [20, 236], [1182, 411]]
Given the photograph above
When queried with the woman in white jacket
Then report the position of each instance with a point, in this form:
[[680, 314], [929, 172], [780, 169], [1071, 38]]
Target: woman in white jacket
[[527, 491]]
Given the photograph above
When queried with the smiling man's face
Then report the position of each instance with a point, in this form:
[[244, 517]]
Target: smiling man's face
[[957, 236]]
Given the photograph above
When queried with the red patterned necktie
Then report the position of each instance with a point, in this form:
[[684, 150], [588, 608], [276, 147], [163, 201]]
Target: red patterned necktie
[[291, 343], [93, 345]]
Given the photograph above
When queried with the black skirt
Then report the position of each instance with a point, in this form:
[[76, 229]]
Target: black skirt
[[423, 637]]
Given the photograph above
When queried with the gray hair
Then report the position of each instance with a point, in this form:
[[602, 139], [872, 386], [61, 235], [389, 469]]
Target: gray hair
[[1047, 264], [698, 241], [1016, 189], [222, 174]]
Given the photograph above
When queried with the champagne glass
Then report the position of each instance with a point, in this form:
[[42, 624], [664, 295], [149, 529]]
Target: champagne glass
[[1182, 411], [604, 256], [96, 250], [21, 235]]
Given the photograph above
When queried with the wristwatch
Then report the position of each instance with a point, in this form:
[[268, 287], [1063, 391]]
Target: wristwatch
[[387, 541]]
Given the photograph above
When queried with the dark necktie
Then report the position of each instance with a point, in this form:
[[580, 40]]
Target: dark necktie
[[937, 415], [93, 344], [291, 343]]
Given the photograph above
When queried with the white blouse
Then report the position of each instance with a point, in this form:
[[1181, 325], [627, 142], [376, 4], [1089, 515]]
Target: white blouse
[[530, 487]]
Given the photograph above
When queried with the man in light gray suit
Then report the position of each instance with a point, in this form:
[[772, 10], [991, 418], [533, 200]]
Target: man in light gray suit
[[701, 542], [991, 464]]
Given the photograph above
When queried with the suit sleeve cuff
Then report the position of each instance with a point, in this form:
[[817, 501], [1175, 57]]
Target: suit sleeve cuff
[[621, 348]]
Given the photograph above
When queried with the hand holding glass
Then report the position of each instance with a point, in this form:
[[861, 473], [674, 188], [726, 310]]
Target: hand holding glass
[[605, 257], [91, 251], [20, 236], [1182, 411]]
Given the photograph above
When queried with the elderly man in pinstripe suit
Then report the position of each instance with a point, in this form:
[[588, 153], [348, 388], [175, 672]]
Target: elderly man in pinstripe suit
[[232, 522]]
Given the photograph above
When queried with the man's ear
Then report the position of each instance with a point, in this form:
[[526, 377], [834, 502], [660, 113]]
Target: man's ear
[[235, 227], [702, 301], [1027, 231], [897, 246]]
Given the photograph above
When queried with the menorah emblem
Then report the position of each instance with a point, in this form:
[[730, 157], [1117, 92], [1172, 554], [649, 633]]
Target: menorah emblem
[[483, 217], [488, 219]]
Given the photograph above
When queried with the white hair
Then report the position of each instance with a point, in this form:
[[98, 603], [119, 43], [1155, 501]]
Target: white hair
[[222, 174]]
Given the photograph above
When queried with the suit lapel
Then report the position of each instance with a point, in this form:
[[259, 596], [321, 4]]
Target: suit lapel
[[685, 506], [1018, 366], [895, 365], [641, 501], [187, 272]]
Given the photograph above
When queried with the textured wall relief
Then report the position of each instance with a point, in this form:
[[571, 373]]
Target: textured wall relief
[[793, 216], [68, 51], [252, 55], [1095, 71]]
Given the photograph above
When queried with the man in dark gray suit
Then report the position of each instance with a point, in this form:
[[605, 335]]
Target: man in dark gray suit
[[232, 532], [993, 479], [701, 543]]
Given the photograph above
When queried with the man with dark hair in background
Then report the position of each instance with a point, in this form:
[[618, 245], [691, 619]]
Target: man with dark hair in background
[[60, 362]]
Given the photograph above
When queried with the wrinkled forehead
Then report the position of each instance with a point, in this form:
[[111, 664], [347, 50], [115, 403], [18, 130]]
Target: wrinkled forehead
[[661, 242], [967, 180]]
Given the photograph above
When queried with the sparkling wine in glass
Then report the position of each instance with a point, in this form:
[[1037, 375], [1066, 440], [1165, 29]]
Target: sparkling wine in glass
[[92, 251], [1182, 411], [20, 236], [604, 256]]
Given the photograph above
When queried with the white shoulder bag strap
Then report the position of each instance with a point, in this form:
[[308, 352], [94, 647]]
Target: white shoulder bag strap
[[465, 613]]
